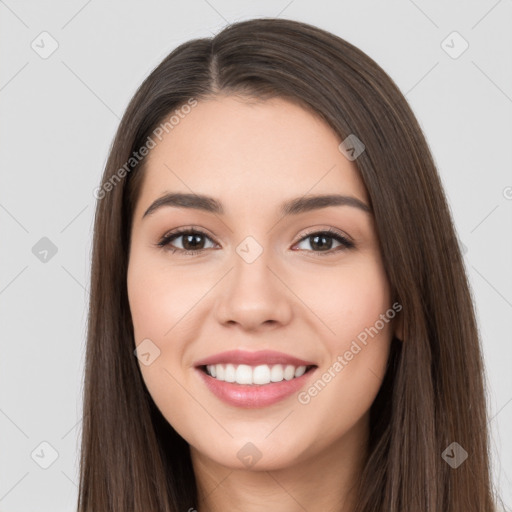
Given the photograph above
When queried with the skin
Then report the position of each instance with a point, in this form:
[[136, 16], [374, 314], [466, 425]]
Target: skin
[[251, 156]]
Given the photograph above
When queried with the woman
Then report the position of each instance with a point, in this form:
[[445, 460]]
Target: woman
[[280, 317]]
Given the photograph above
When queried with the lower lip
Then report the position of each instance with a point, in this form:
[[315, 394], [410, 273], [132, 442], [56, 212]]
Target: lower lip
[[254, 396]]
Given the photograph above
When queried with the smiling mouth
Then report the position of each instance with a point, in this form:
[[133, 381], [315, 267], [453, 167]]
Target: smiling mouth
[[259, 375]]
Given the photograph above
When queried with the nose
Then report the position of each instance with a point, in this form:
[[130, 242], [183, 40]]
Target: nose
[[254, 295]]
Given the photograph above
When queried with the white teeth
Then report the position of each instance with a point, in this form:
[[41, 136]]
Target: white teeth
[[230, 374], [243, 374], [289, 372], [261, 374], [219, 370], [301, 370], [276, 373]]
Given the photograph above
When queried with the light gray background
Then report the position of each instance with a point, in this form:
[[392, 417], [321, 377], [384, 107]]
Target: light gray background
[[59, 116]]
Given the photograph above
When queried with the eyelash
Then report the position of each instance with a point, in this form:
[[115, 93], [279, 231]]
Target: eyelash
[[330, 233]]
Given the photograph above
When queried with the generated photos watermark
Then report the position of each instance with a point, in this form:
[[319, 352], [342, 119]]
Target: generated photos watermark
[[305, 397], [137, 156]]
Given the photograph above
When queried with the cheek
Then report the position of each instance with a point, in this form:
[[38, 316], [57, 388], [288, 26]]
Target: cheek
[[161, 304], [166, 308], [346, 300], [364, 328], [352, 305], [159, 298]]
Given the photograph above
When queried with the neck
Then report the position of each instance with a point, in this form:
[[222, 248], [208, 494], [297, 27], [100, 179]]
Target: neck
[[326, 481]]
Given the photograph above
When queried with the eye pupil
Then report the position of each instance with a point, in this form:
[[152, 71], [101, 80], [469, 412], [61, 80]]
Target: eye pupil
[[190, 241], [322, 245]]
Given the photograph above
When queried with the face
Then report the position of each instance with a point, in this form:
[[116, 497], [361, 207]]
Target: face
[[292, 304]]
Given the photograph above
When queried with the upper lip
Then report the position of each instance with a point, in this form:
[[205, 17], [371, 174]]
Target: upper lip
[[250, 358]]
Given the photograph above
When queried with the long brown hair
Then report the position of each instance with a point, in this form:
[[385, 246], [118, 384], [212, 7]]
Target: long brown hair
[[433, 392]]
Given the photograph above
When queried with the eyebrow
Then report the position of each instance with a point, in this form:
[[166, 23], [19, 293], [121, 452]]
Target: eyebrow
[[290, 207]]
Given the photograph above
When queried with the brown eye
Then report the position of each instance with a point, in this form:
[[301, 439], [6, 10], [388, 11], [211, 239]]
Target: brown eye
[[322, 242], [192, 241]]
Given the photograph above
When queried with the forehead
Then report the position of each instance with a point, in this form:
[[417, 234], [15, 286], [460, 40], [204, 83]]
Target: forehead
[[250, 153]]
